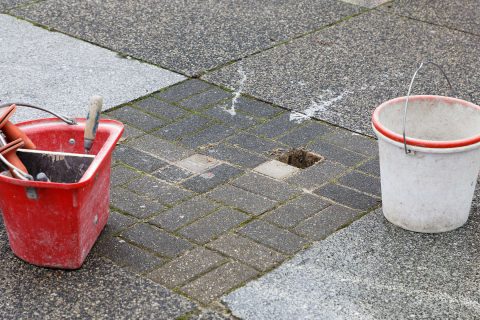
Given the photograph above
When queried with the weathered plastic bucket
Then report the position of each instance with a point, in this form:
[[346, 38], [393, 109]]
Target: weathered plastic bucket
[[428, 179]]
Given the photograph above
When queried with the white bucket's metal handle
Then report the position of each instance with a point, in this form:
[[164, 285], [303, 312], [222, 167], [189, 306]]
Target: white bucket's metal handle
[[408, 96]]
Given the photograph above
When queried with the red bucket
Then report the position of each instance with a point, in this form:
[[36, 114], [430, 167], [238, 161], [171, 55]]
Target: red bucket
[[53, 224]]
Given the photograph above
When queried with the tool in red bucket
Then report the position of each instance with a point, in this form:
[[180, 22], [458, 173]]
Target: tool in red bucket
[[55, 223]]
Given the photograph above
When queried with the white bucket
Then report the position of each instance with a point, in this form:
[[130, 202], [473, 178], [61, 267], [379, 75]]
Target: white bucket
[[430, 189]]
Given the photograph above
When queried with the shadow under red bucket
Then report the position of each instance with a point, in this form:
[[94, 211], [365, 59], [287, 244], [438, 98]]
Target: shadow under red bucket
[[53, 224]]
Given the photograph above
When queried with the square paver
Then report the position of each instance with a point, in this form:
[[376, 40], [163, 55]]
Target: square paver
[[205, 98], [326, 222], [234, 155], [134, 204], [187, 267], [317, 175], [137, 118], [156, 240], [292, 213], [335, 153], [267, 187], [241, 199], [215, 283], [158, 190], [213, 225], [183, 90], [276, 169], [137, 159], [184, 213], [198, 163], [362, 182], [348, 197], [279, 239], [247, 251], [160, 148], [173, 174], [160, 108], [211, 178]]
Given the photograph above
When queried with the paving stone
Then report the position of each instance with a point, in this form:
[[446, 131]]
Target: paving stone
[[130, 132], [215, 283], [64, 72], [236, 156], [335, 153], [348, 197], [205, 98], [251, 142], [198, 163], [183, 90], [362, 182], [183, 127], [213, 225], [120, 175], [137, 159], [9, 4], [276, 169], [137, 118], [187, 267], [367, 3], [160, 148], [117, 222], [371, 167], [303, 135], [134, 204], [326, 222], [156, 240], [160, 108], [257, 108], [184, 213], [247, 251], [212, 178], [292, 213], [318, 174], [127, 255], [237, 121], [209, 135], [276, 127], [273, 189], [241, 199], [172, 174], [274, 237], [158, 190], [354, 142]]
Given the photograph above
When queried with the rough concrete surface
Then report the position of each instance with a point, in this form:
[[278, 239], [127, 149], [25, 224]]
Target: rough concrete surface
[[61, 73]]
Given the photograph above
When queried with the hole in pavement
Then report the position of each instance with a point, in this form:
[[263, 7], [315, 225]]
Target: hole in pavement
[[300, 158]]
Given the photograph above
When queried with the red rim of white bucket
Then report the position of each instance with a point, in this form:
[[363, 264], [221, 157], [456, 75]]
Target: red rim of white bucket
[[420, 142]]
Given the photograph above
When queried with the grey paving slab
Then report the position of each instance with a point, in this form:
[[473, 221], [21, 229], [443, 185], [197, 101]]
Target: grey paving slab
[[212, 178], [234, 155], [318, 174], [133, 204], [158, 190], [335, 153], [348, 197], [121, 174], [9, 4], [367, 3], [270, 188], [99, 289], [138, 159], [160, 148], [341, 73], [253, 143], [238, 121], [458, 14], [168, 32], [183, 90], [172, 174], [160, 108], [372, 270], [371, 167], [205, 98], [137, 119], [300, 137], [60, 73], [185, 126], [117, 222], [207, 136], [362, 182]]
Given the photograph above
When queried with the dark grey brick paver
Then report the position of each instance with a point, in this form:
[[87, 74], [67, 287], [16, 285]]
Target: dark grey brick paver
[[371, 167], [251, 142], [326, 222], [318, 174], [235, 155], [270, 188], [160, 148], [257, 108], [215, 283], [348, 197], [247, 251], [238, 121], [130, 132], [183, 127], [137, 118], [183, 90], [274, 237], [354, 142], [276, 127], [137, 159], [158, 190], [213, 225], [187, 267], [127, 255], [172, 174], [302, 136], [205, 98], [362, 182], [335, 153], [212, 134], [212, 178], [244, 200], [292, 213], [134, 204], [160, 108], [121, 174], [156, 240], [116, 222], [184, 213]]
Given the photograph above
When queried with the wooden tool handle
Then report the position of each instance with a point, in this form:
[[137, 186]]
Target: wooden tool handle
[[93, 116]]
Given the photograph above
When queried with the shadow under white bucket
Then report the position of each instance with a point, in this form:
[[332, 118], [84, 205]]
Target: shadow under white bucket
[[431, 188]]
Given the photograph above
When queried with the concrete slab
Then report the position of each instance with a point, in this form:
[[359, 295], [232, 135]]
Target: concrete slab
[[367, 3], [372, 270], [341, 73], [60, 73], [462, 15], [9, 4], [187, 36]]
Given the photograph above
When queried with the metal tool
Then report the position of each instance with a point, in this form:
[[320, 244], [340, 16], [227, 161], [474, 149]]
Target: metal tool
[[94, 110]]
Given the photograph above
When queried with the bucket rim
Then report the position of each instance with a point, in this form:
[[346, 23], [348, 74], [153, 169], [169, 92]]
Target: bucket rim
[[422, 142]]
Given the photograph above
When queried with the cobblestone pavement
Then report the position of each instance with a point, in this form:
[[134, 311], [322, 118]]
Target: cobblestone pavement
[[201, 205]]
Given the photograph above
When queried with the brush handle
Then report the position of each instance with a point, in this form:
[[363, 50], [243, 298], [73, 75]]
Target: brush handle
[[94, 110]]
